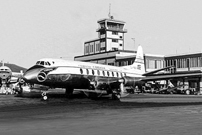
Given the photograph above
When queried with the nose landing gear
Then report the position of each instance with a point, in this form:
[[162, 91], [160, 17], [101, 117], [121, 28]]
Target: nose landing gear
[[44, 96]]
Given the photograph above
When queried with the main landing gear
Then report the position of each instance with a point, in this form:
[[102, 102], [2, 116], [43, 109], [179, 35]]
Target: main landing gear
[[116, 95], [69, 92]]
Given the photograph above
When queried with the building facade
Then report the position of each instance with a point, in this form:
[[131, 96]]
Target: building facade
[[108, 49], [110, 37]]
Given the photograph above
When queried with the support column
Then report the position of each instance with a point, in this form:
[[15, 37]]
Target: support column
[[200, 85]]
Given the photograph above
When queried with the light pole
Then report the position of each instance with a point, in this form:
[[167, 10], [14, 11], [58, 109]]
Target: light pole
[[133, 40]]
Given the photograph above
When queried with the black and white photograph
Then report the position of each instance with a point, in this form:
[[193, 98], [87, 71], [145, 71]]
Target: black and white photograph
[[100, 67]]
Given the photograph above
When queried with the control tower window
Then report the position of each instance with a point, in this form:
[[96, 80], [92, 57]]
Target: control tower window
[[114, 40], [102, 32], [102, 25], [114, 33]]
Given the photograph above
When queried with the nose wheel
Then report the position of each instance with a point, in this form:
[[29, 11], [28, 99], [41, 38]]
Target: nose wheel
[[44, 96]]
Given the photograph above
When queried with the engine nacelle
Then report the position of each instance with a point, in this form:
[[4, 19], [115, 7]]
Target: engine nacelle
[[130, 81]]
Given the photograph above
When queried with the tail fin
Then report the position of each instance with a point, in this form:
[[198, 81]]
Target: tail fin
[[139, 60], [138, 64]]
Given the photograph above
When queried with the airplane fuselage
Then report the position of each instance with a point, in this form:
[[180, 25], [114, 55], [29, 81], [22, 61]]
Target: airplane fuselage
[[79, 75]]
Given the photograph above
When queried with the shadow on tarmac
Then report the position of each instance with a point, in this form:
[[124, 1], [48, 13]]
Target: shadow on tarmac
[[133, 101]]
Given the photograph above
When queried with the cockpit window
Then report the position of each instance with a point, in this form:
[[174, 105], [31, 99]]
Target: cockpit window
[[38, 62], [42, 63], [48, 63]]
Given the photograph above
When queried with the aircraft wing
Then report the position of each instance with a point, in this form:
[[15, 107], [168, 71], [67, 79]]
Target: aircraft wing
[[15, 77], [17, 74], [156, 77]]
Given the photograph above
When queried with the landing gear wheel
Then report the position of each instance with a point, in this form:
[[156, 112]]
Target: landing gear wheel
[[44, 96], [116, 96], [188, 92], [69, 92], [7, 93]]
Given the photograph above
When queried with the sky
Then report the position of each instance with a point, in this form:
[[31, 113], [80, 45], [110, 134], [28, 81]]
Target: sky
[[35, 29]]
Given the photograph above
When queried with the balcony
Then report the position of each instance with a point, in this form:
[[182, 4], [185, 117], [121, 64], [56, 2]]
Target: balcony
[[117, 29]]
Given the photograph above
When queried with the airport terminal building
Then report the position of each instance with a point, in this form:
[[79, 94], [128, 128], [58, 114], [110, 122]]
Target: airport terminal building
[[108, 49]]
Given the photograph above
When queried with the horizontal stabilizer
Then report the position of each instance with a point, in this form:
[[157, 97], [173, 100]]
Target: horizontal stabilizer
[[155, 71]]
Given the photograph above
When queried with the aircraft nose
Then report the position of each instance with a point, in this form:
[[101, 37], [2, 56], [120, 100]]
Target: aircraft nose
[[30, 76]]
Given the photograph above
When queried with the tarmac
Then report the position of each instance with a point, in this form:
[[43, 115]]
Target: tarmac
[[136, 114]]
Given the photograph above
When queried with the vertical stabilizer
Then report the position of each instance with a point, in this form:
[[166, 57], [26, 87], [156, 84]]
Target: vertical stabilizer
[[138, 65], [139, 60]]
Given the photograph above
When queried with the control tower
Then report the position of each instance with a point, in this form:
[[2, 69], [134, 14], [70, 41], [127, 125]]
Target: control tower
[[110, 37]]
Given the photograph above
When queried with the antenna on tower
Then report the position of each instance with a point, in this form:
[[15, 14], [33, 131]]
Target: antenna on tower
[[110, 16]]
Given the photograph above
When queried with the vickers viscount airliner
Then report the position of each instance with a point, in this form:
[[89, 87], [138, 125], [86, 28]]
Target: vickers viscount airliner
[[91, 78]]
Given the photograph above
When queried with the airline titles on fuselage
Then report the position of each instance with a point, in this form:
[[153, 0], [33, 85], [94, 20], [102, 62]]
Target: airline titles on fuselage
[[96, 67]]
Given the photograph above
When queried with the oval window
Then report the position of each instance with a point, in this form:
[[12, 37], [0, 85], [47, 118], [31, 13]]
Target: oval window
[[93, 72], [87, 72], [81, 71], [103, 72], [98, 72], [108, 73]]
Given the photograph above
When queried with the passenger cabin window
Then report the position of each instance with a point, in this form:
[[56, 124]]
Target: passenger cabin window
[[113, 74], [117, 74], [108, 73], [81, 71], [87, 71], [98, 72], [103, 72], [123, 74], [93, 72]]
